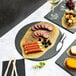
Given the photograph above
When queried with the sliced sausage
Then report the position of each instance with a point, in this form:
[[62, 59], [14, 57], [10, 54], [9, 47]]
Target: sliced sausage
[[46, 26], [36, 33], [42, 33], [50, 29], [41, 26], [34, 36], [36, 26], [33, 28], [46, 36]]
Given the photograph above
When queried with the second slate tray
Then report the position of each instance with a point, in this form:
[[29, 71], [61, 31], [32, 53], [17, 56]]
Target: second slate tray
[[60, 15], [49, 54], [60, 60]]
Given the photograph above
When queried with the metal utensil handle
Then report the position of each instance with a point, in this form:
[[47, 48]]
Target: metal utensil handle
[[64, 36]]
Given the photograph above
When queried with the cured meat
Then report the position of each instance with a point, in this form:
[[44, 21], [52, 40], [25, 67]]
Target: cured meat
[[36, 26], [31, 43], [33, 28], [49, 28], [42, 33], [41, 26], [33, 50], [29, 48], [32, 47]]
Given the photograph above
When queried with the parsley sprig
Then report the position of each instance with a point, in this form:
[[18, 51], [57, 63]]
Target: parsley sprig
[[40, 65]]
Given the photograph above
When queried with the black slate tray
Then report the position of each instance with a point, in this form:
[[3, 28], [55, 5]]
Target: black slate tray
[[49, 54], [14, 11], [59, 20], [60, 60], [20, 65]]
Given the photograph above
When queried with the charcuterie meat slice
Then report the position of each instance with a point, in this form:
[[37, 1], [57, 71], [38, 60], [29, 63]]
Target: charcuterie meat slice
[[41, 33], [41, 26]]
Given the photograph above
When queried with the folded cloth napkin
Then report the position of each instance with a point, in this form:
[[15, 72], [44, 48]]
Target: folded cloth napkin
[[20, 65]]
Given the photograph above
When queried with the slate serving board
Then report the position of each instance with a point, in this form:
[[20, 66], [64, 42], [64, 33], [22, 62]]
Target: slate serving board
[[49, 54], [59, 19], [14, 11], [20, 65], [60, 60]]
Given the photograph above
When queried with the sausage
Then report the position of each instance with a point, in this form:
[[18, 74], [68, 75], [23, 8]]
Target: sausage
[[42, 33], [45, 36], [31, 43], [46, 26], [34, 36], [36, 33], [49, 28], [36, 26], [33, 47], [33, 28], [41, 26], [33, 50]]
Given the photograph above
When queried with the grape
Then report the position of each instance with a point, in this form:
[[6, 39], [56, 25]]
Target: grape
[[70, 4]]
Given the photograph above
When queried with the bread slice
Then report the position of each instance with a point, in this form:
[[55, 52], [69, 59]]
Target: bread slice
[[70, 63]]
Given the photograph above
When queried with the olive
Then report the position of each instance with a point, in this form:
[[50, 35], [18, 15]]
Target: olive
[[46, 46], [43, 43], [67, 19], [45, 40], [74, 15], [39, 39], [49, 42]]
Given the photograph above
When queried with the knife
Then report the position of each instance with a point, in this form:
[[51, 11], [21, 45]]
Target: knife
[[60, 44]]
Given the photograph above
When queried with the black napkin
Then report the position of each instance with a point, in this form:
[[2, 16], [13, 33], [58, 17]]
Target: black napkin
[[14, 11], [20, 65]]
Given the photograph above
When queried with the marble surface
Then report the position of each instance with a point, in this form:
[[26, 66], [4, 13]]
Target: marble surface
[[8, 50]]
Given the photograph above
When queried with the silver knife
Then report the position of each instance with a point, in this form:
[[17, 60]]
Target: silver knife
[[60, 44]]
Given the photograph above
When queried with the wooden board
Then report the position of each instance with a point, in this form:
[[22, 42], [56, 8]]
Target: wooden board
[[25, 36], [64, 24], [58, 21], [60, 60]]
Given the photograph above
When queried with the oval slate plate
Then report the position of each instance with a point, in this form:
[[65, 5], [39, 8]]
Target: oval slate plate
[[49, 54], [58, 21]]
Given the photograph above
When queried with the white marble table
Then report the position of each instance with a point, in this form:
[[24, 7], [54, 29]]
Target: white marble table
[[8, 50]]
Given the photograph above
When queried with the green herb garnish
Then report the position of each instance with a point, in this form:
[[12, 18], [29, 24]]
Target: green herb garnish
[[40, 65], [32, 40]]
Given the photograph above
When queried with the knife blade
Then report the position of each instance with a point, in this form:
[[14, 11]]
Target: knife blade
[[60, 44]]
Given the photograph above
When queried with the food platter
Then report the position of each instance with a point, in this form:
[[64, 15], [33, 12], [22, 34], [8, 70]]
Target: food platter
[[58, 21], [60, 61], [49, 54]]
